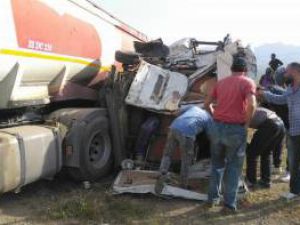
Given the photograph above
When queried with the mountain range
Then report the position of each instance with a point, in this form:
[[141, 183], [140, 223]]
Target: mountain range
[[286, 53]]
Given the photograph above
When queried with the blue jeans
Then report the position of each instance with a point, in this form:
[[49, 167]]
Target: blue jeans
[[293, 145], [228, 150], [186, 145]]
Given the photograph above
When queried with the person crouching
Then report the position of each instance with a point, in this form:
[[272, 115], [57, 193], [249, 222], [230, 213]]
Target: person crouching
[[183, 131], [269, 133]]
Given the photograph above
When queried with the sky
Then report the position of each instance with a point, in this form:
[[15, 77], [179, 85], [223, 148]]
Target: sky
[[255, 22]]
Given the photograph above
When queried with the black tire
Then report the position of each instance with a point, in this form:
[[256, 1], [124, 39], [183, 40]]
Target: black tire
[[96, 156], [155, 48], [142, 47], [129, 58]]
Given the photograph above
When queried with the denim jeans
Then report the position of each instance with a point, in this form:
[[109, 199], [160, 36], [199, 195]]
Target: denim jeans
[[186, 145], [228, 147], [293, 146]]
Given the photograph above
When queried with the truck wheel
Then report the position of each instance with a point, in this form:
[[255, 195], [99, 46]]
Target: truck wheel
[[128, 58], [96, 157]]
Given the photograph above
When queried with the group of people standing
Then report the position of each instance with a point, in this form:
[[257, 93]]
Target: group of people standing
[[230, 109]]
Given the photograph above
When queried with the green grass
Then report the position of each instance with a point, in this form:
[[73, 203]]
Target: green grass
[[105, 208]]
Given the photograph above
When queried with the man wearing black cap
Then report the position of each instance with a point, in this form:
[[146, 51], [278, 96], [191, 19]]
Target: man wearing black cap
[[235, 105]]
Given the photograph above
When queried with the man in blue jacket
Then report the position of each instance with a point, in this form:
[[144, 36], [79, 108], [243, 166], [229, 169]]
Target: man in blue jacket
[[191, 121]]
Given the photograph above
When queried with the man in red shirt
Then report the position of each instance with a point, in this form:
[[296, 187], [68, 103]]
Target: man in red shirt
[[235, 104]]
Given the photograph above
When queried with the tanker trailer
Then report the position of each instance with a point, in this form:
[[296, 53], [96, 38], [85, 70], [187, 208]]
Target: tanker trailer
[[54, 55]]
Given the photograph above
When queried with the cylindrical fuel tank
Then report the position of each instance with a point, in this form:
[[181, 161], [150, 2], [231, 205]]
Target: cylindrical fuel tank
[[27, 154], [56, 49]]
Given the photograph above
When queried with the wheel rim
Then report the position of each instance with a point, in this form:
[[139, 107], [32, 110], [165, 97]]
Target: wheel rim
[[99, 150]]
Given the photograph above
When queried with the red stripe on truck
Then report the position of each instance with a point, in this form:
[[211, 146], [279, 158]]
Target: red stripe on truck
[[41, 28]]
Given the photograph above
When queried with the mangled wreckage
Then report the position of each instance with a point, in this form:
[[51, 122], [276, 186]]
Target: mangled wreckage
[[157, 80], [64, 106]]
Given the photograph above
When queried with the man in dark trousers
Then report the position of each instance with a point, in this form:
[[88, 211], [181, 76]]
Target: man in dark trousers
[[235, 104], [282, 112], [275, 63], [269, 134]]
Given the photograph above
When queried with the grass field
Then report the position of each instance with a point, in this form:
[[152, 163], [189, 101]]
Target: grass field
[[64, 202], [67, 203]]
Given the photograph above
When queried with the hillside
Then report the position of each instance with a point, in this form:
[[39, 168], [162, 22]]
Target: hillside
[[286, 53]]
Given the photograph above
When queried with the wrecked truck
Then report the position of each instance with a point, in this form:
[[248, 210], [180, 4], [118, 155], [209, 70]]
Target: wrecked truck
[[54, 58], [70, 101], [164, 79]]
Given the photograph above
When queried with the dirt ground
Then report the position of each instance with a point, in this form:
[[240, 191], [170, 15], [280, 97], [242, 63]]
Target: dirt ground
[[63, 202]]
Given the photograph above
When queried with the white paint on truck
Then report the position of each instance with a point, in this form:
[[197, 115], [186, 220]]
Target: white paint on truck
[[47, 44]]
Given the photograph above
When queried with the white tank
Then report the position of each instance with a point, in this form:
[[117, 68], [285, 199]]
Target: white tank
[[27, 154], [56, 50]]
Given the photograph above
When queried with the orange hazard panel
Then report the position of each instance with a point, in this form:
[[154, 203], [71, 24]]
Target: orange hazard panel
[[40, 27]]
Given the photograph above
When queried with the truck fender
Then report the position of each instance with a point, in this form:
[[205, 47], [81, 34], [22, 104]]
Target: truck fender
[[82, 124]]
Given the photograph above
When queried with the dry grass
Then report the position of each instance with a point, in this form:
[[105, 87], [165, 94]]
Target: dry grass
[[66, 203], [74, 205], [102, 207]]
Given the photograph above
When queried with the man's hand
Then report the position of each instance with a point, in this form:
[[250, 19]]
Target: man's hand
[[251, 106], [176, 112], [259, 92], [208, 104]]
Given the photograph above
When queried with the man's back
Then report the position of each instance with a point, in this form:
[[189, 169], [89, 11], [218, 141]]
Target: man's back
[[275, 63], [261, 115], [192, 121], [235, 104], [230, 94]]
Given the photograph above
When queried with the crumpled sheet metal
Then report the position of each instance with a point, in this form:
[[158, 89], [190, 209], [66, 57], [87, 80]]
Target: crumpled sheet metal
[[183, 193], [149, 187], [161, 90], [225, 58], [201, 169], [156, 88], [181, 50]]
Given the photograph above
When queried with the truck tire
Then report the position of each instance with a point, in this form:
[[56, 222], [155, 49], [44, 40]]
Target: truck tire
[[96, 156], [155, 48], [129, 58]]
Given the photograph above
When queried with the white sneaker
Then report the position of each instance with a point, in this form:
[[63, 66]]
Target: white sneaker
[[286, 178], [289, 195]]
